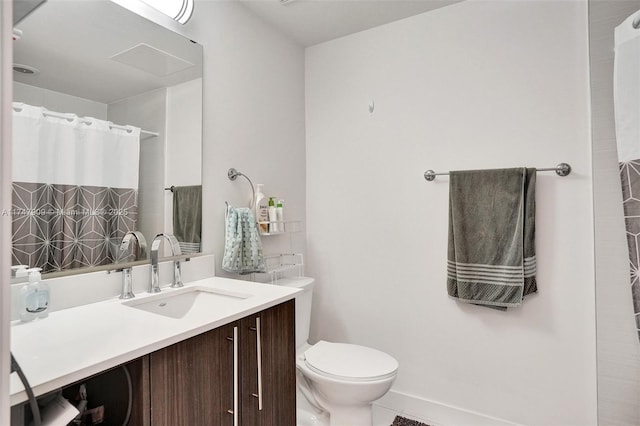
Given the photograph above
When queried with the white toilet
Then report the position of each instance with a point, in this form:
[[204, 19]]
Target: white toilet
[[337, 382]]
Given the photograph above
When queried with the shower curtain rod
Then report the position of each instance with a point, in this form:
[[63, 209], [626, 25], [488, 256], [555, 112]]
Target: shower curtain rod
[[147, 133], [562, 169]]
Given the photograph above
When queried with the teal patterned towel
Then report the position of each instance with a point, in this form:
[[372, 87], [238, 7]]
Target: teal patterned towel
[[243, 248]]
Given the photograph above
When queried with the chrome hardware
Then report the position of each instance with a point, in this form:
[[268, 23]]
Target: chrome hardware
[[257, 329], [233, 174], [127, 284], [175, 250], [562, 170], [236, 384], [141, 253], [141, 244]]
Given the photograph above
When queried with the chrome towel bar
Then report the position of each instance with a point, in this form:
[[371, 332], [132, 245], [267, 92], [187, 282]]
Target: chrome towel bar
[[562, 169]]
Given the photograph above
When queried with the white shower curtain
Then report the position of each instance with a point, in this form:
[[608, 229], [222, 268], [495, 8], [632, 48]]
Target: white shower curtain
[[626, 85], [75, 183]]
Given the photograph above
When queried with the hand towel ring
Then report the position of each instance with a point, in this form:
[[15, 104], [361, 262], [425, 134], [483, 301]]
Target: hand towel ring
[[233, 174]]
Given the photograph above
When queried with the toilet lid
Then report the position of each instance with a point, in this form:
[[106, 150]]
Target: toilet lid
[[350, 361]]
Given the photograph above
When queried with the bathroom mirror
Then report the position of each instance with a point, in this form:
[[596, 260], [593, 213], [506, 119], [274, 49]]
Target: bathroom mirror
[[84, 73]]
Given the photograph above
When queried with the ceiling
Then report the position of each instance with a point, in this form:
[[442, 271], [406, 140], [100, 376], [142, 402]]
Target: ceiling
[[310, 22], [72, 42]]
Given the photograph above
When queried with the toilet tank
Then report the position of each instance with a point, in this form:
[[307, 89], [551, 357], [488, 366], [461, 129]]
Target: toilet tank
[[303, 306]]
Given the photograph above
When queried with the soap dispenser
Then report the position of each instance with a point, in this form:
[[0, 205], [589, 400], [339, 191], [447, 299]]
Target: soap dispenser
[[34, 297], [19, 271], [261, 212]]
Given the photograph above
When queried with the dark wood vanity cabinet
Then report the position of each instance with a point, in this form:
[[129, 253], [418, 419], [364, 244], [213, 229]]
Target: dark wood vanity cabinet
[[191, 382], [277, 371], [194, 382]]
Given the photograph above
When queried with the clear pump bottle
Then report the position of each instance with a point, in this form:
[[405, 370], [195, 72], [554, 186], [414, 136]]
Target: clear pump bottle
[[34, 297]]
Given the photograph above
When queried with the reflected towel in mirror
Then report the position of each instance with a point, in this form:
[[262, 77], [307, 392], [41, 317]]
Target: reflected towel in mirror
[[187, 217]]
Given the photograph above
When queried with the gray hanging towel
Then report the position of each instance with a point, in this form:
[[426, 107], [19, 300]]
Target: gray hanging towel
[[187, 217], [491, 255], [242, 247]]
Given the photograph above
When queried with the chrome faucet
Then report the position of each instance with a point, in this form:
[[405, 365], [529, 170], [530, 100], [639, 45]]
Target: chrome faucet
[[141, 253], [175, 251]]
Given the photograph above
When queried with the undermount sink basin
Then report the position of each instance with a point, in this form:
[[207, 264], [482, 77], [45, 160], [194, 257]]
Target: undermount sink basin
[[176, 304]]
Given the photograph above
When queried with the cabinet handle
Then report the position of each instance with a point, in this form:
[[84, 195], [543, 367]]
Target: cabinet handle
[[235, 376], [257, 329]]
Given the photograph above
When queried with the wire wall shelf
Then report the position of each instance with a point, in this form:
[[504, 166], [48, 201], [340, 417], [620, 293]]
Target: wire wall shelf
[[284, 265], [279, 227]]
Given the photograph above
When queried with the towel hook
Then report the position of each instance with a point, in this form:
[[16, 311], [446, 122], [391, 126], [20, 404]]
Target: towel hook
[[233, 174]]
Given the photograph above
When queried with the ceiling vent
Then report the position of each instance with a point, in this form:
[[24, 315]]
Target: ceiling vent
[[152, 60]]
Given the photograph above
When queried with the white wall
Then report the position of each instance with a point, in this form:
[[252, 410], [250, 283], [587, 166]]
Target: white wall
[[58, 101], [618, 347], [147, 111], [479, 84], [253, 116], [183, 158]]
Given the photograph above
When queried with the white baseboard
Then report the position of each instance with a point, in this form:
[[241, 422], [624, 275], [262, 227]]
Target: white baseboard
[[436, 413]]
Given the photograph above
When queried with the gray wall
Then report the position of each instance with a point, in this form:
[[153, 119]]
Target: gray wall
[[617, 342]]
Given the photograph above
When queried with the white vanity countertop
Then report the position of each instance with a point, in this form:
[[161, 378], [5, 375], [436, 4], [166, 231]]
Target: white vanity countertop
[[72, 344]]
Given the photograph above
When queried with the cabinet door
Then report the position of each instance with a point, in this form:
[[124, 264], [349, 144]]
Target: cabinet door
[[269, 374], [192, 381]]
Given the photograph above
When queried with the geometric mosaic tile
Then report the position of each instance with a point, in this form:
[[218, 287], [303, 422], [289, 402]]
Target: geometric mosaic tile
[[59, 227], [630, 180]]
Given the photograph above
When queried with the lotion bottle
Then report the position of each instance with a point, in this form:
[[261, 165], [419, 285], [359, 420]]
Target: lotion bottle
[[261, 210], [273, 226], [280, 215]]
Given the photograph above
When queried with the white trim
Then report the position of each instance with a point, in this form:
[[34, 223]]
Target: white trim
[[436, 413], [6, 95]]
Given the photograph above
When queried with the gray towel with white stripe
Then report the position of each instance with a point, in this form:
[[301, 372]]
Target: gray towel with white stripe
[[491, 255]]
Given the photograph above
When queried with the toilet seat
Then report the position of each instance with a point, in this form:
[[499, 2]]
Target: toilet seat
[[350, 362]]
